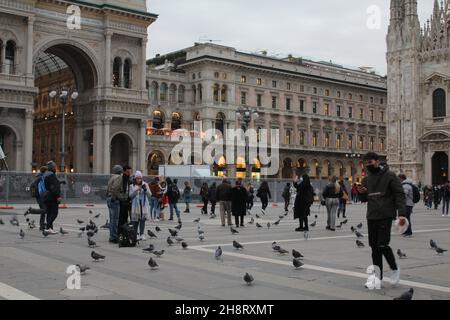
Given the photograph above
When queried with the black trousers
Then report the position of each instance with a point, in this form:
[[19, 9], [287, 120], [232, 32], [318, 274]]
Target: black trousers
[[213, 208], [236, 220], [304, 223], [250, 204], [286, 204], [265, 202], [123, 215], [205, 205], [51, 209], [379, 239]]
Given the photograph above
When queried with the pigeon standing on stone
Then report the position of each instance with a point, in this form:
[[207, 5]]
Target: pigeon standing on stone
[[21, 234], [80, 221], [237, 245], [96, 256], [297, 263], [296, 254], [315, 216], [313, 224], [169, 241], [152, 263], [353, 229], [82, 269], [97, 216], [149, 249], [179, 226], [277, 222], [173, 233], [408, 295], [359, 226], [358, 234], [248, 278], [433, 244], [218, 254], [258, 225], [158, 253], [90, 212], [257, 216], [440, 251], [276, 247], [196, 220], [151, 234], [158, 229], [91, 243], [184, 245], [233, 231], [400, 254], [345, 221], [359, 244]]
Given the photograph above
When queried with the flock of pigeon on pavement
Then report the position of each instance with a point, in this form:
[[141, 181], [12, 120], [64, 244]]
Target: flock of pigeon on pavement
[[91, 230]]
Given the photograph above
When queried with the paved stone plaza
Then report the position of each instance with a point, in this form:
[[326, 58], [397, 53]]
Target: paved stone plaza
[[35, 267]]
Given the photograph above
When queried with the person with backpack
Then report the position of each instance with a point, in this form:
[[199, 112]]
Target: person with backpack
[[173, 193], [303, 201], [140, 205], [35, 194], [263, 193], [445, 196], [155, 200], [125, 203], [113, 202], [331, 194], [408, 188], [187, 195], [286, 195], [50, 193], [212, 198], [436, 197], [204, 197]]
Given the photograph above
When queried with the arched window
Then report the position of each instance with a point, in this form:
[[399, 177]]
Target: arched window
[[302, 138], [220, 120], [223, 94], [158, 119], [194, 94], [163, 92], [10, 53], [181, 91], [116, 72], [172, 93], [127, 74], [327, 139], [154, 91], [200, 92], [439, 104], [338, 141], [288, 137], [176, 121], [216, 93]]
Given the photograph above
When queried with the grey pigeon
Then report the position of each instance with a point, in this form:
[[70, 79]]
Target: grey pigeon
[[62, 231], [196, 220], [440, 251], [218, 254], [158, 253], [268, 225], [151, 234], [173, 233], [283, 251], [97, 216], [1, 222], [158, 229], [82, 269], [408, 295], [277, 222], [21, 234], [200, 231], [179, 239], [83, 229], [149, 249], [276, 248], [184, 245], [252, 221], [201, 237], [359, 244], [352, 228], [14, 222], [169, 241], [91, 243], [80, 221], [248, 278], [358, 234], [296, 254], [179, 226], [433, 244], [258, 225], [400, 254], [281, 217], [315, 216], [345, 221], [257, 216], [237, 245], [233, 231], [313, 224], [297, 263], [105, 226], [31, 225], [152, 263], [359, 226], [90, 234], [96, 256], [90, 212]]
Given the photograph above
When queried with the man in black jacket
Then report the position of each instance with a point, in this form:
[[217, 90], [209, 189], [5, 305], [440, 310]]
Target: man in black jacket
[[223, 195], [125, 204], [384, 194], [52, 196]]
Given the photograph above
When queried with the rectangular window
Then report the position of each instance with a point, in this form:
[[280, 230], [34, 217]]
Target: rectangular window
[[350, 142], [382, 144], [361, 142], [371, 143], [361, 97], [288, 137], [244, 98], [302, 88], [315, 90], [258, 100], [338, 94], [327, 109], [314, 107], [381, 101], [288, 86], [327, 140], [382, 116], [361, 113], [371, 99], [327, 92], [338, 111], [350, 112], [302, 105], [314, 139], [302, 138], [288, 104], [243, 79], [372, 115], [338, 141], [350, 96], [274, 84], [259, 81], [274, 102]]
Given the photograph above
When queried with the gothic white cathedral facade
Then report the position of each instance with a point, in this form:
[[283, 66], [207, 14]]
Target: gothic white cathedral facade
[[418, 61]]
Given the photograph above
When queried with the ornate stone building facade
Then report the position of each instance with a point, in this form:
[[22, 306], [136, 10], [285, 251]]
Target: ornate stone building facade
[[418, 86], [324, 112]]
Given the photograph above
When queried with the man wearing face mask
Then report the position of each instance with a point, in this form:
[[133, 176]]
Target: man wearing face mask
[[385, 198]]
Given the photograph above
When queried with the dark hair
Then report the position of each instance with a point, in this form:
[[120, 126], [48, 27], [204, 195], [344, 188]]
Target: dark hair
[[371, 156], [402, 176], [168, 180], [126, 167], [306, 179]]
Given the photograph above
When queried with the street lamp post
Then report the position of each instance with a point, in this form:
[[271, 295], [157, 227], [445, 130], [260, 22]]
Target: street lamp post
[[353, 155], [246, 114], [64, 98]]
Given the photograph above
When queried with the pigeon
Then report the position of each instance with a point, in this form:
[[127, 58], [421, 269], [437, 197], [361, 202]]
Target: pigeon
[[248, 278], [282, 251], [359, 226], [400, 254], [201, 237], [150, 249], [82, 269], [313, 224], [179, 239], [252, 221], [45, 233], [96, 256], [31, 225], [97, 216], [90, 234], [315, 217], [151, 234], [306, 235], [352, 228], [14, 222], [296, 254], [233, 231], [237, 245], [268, 225], [281, 217], [92, 223], [83, 229], [287, 212], [173, 233], [257, 216], [440, 251], [158, 253], [21, 234], [157, 229], [277, 222], [359, 244], [345, 221], [196, 220], [1, 222], [258, 225], [178, 227], [408, 295], [80, 221], [105, 226], [184, 245], [274, 244], [297, 263], [169, 241], [359, 235], [339, 226], [276, 248], [218, 254], [433, 244], [91, 243], [152, 263], [90, 212], [62, 231], [200, 231]]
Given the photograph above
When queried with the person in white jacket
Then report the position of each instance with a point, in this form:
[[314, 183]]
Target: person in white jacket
[[140, 204], [408, 189]]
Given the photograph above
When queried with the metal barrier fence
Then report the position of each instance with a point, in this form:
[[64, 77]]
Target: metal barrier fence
[[88, 188]]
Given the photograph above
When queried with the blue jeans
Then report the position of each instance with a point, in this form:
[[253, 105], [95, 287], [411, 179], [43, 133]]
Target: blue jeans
[[445, 203], [140, 224], [408, 216], [177, 211], [114, 211], [155, 208]]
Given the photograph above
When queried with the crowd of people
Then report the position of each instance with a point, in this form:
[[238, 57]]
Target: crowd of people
[[436, 195]]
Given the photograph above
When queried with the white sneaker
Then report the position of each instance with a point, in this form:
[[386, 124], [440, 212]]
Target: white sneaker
[[51, 231], [395, 277], [139, 237], [143, 238]]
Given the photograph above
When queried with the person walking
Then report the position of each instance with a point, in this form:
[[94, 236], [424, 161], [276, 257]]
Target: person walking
[[155, 200], [173, 194], [342, 200], [263, 193], [331, 194], [140, 204], [187, 196], [445, 196], [212, 198], [125, 204], [239, 203], [204, 197], [286, 195], [303, 201], [354, 192], [250, 197], [35, 190], [50, 195], [113, 196], [428, 197], [436, 197], [223, 195], [385, 198], [409, 196]]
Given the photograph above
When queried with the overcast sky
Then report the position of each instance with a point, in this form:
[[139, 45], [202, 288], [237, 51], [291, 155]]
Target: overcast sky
[[322, 29]]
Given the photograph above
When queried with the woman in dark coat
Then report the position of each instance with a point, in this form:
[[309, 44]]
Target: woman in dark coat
[[303, 202], [239, 203], [212, 198], [264, 194]]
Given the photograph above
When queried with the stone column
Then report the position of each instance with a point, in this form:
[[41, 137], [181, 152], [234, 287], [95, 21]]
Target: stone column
[[144, 64], [106, 145], [79, 145], [28, 141], [108, 62], [428, 173], [141, 141], [134, 158], [3, 57], [30, 37], [98, 149]]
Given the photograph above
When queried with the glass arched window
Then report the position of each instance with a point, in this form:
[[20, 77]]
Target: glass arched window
[[158, 119], [116, 72], [439, 104], [127, 74], [163, 92], [154, 91], [181, 91], [10, 54], [176, 121]]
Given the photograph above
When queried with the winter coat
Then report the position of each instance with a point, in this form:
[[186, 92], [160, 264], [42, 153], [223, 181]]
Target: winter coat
[[155, 190], [212, 196], [303, 200], [114, 187], [187, 194], [263, 193], [385, 197], [204, 192], [140, 204], [408, 189], [52, 186], [238, 201], [223, 192], [173, 193]]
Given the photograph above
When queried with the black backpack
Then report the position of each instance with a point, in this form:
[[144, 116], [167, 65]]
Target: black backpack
[[416, 193], [128, 236]]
